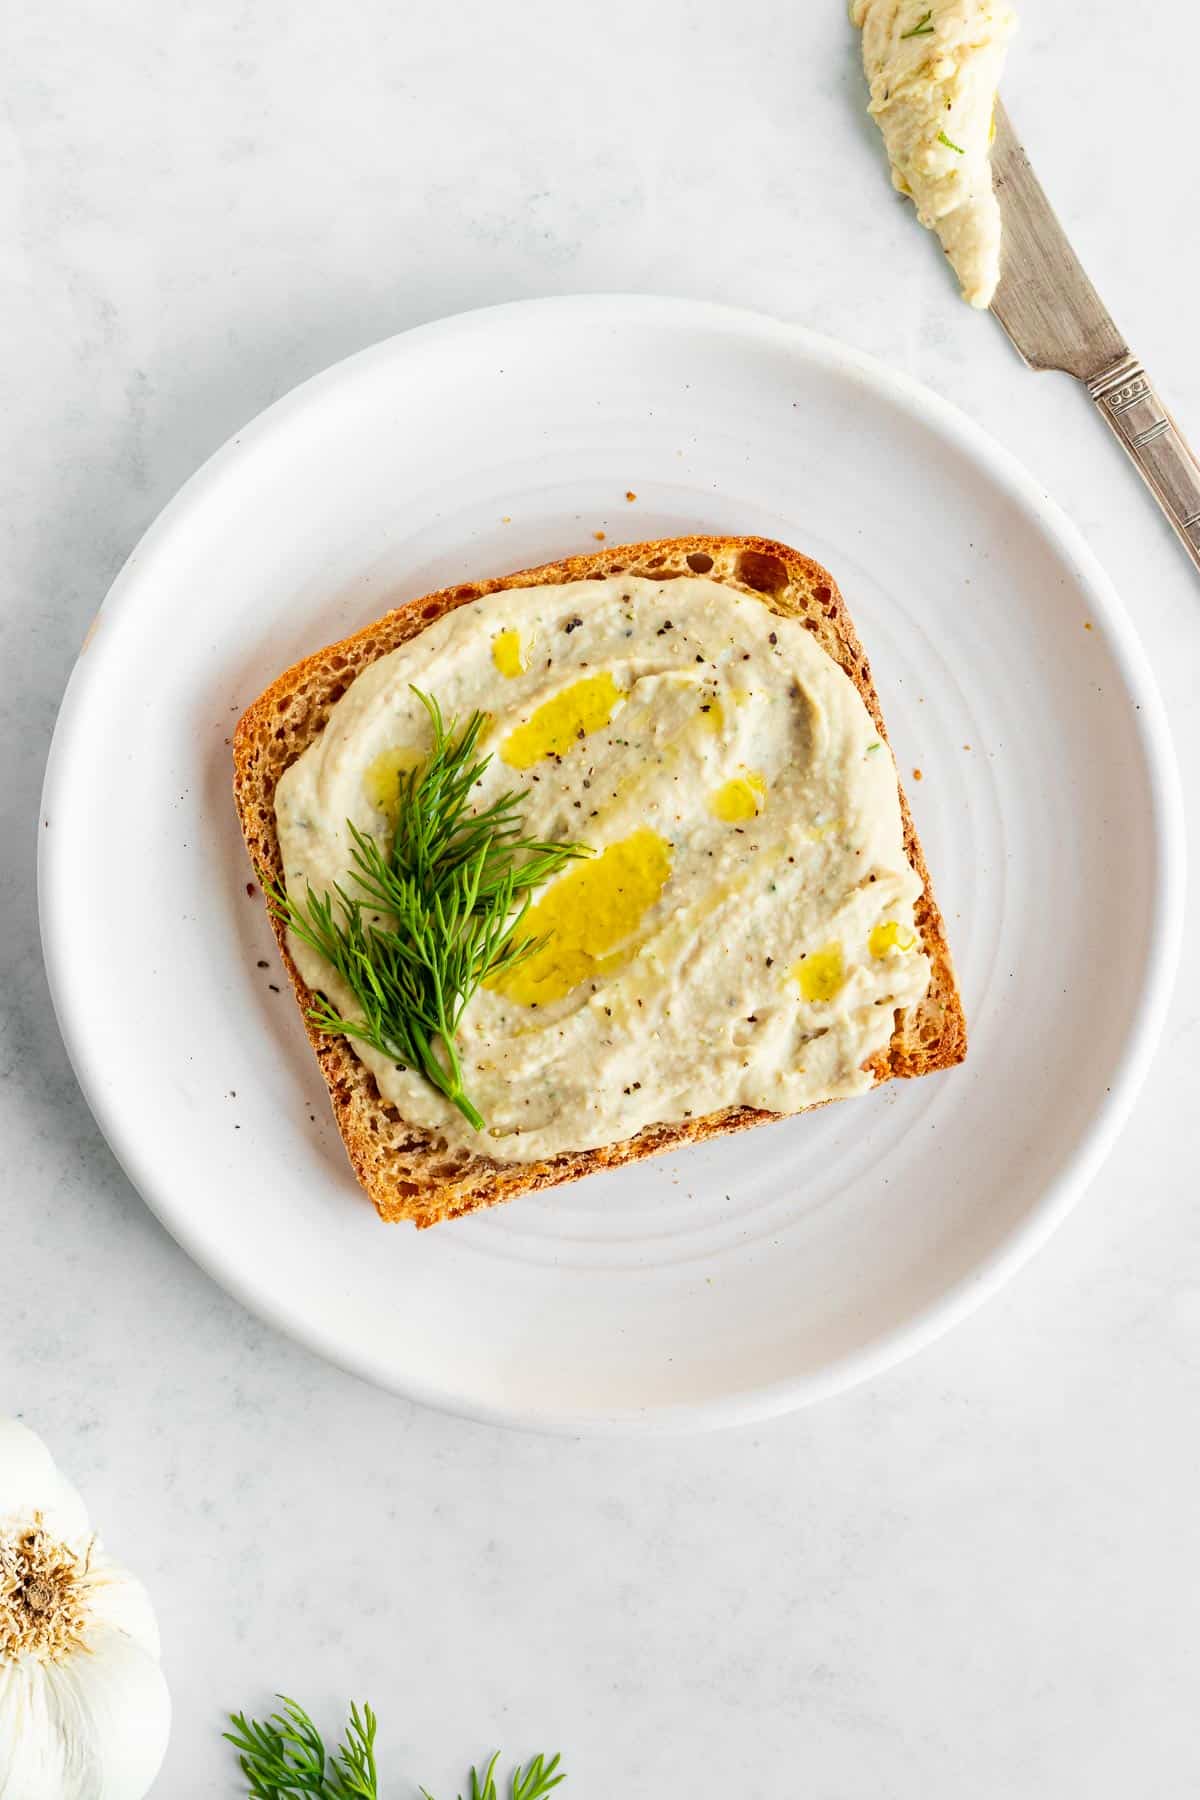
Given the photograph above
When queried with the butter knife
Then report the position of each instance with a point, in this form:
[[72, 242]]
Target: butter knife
[[1057, 320]]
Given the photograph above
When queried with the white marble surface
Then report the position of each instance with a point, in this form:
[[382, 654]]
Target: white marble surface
[[978, 1576]]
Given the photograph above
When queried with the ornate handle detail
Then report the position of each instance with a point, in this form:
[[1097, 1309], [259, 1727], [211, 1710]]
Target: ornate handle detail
[[1127, 400]]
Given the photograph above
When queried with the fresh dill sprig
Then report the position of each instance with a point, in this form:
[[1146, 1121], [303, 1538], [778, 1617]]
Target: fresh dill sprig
[[529, 1783], [923, 28], [950, 144], [284, 1757], [438, 912]]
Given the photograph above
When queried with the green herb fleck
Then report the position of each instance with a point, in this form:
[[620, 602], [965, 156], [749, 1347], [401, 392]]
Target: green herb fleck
[[439, 912], [950, 144], [877, 745], [923, 28]]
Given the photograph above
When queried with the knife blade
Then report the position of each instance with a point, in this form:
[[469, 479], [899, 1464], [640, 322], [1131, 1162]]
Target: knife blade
[[1056, 320]]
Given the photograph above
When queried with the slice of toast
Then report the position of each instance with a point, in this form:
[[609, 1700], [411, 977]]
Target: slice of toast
[[409, 1172]]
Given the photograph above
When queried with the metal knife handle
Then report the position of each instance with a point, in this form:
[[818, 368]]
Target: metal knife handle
[[1126, 398]]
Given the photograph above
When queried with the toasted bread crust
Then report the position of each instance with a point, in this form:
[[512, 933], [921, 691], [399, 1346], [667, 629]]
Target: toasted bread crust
[[409, 1172]]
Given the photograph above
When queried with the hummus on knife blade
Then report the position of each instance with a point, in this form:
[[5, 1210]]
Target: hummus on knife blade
[[934, 70]]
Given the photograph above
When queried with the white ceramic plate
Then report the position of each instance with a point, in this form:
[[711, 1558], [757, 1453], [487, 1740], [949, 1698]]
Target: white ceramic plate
[[723, 1283]]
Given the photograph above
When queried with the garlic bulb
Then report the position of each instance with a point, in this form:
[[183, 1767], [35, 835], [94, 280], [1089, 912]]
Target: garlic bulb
[[84, 1709]]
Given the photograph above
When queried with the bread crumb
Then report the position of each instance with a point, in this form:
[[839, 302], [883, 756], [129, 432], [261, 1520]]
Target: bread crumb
[[917, 775], [507, 519], [1087, 624], [599, 536], [629, 494]]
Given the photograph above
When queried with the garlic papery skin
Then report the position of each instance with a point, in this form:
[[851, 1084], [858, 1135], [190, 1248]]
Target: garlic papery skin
[[84, 1708]]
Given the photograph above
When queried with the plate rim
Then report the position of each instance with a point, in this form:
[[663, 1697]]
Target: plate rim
[[760, 1402]]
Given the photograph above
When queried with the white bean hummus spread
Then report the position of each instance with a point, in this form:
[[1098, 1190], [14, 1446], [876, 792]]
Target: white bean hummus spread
[[934, 67], [742, 933]]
